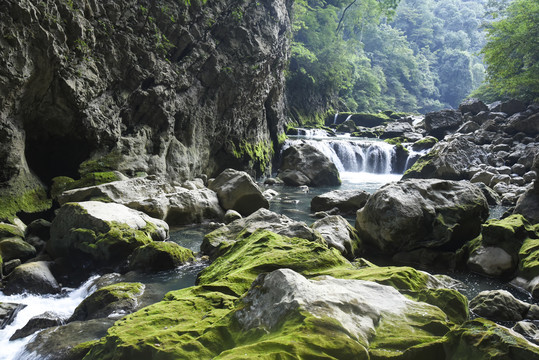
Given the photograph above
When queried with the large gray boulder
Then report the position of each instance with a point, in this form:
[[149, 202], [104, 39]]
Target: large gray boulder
[[156, 197], [34, 278], [449, 160], [303, 164], [215, 243], [528, 125], [101, 233], [347, 201], [236, 190], [339, 234], [443, 122], [413, 213], [364, 310], [499, 305]]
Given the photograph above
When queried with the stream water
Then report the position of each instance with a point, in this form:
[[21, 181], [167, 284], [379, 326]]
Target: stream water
[[363, 164]]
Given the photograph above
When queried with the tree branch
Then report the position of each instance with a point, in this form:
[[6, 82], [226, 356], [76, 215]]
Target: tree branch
[[343, 15]]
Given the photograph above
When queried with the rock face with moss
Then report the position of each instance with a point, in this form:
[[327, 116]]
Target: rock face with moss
[[303, 164], [179, 88], [412, 214], [92, 232]]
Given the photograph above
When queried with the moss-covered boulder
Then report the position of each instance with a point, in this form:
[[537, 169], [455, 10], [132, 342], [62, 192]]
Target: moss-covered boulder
[[499, 305], [96, 233], [218, 241], [264, 251], [482, 339], [64, 183], [423, 144], [10, 230], [116, 299], [16, 248], [496, 251], [159, 255], [528, 266]]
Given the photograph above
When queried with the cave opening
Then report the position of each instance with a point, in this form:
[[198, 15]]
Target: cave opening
[[50, 152]]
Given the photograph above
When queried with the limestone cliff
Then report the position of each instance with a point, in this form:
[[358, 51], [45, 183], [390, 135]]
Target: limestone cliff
[[173, 87]]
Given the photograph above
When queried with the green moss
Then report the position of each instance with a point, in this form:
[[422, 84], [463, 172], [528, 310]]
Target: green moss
[[159, 255], [451, 302], [427, 141], [396, 140], [514, 229], [281, 138], [529, 259], [265, 251], [170, 328], [24, 200], [258, 155], [481, 339], [422, 165], [109, 299], [64, 183], [8, 230], [109, 162]]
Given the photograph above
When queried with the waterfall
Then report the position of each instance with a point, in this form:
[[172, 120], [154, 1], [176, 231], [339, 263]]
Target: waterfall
[[369, 156], [312, 133], [335, 118], [348, 118]]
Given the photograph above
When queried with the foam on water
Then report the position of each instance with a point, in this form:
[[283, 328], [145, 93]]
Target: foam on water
[[63, 305]]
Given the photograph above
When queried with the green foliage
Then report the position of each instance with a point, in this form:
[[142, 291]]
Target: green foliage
[[512, 52], [369, 55]]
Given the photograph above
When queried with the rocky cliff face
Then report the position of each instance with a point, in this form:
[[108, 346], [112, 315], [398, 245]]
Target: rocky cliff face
[[174, 87]]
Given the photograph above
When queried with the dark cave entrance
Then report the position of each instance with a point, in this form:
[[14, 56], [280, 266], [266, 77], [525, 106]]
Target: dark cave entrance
[[52, 153]]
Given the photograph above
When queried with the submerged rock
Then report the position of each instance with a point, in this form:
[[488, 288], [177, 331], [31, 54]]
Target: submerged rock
[[236, 190], [412, 214], [40, 322], [347, 201], [101, 233], [303, 164]]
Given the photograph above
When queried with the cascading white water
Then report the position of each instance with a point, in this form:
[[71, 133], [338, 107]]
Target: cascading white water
[[312, 133], [62, 305], [355, 156]]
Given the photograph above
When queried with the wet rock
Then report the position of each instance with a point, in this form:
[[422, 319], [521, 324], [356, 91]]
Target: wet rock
[[529, 330], [338, 234], [215, 243], [499, 305], [157, 256], [422, 213], [40, 322], [8, 312], [440, 123], [34, 277], [347, 201], [232, 215], [68, 342], [10, 230], [16, 248], [482, 176], [114, 300], [303, 164], [10, 265], [528, 205], [96, 233]]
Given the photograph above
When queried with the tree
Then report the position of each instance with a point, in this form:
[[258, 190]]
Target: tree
[[512, 52]]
